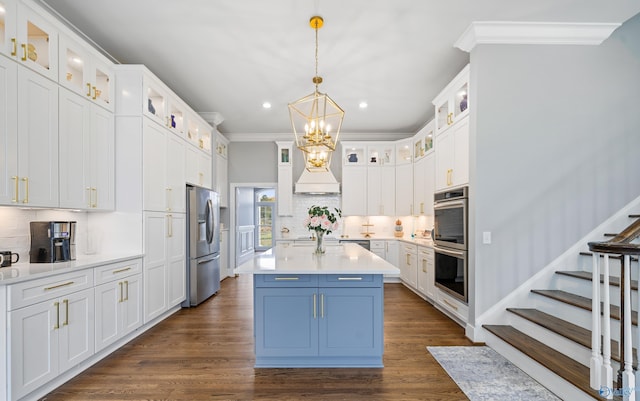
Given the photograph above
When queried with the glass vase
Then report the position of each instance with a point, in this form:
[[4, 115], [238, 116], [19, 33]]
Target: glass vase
[[319, 243]]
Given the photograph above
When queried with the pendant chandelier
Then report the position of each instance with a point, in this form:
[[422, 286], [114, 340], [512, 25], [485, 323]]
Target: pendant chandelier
[[316, 120]]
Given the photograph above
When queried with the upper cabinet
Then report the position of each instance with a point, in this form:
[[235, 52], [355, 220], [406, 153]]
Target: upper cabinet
[[381, 154], [354, 154], [27, 37], [85, 72], [199, 133], [404, 151], [452, 103]]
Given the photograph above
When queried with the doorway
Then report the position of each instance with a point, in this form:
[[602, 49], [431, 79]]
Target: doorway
[[265, 216]]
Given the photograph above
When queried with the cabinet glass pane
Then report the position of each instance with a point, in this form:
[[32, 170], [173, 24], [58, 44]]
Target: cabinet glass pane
[[155, 103], [353, 155], [193, 132], [442, 116], [74, 66], [176, 117], [403, 153], [102, 86], [460, 101], [3, 28], [37, 45]]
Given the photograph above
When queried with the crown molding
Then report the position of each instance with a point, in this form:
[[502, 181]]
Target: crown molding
[[534, 33], [271, 137]]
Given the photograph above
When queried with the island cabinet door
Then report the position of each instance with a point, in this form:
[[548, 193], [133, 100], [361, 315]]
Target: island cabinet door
[[351, 321], [286, 321]]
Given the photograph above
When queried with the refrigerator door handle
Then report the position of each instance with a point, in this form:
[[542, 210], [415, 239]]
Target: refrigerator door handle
[[210, 222]]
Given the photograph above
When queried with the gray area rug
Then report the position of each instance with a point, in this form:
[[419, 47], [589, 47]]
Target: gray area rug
[[483, 375]]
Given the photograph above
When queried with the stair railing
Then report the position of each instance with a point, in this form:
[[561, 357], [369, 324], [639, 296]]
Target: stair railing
[[601, 373]]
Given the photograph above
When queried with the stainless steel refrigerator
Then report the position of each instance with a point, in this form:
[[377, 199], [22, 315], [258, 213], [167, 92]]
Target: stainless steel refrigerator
[[203, 245]]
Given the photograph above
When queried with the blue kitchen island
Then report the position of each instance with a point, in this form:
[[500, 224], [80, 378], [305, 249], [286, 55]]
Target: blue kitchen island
[[318, 310]]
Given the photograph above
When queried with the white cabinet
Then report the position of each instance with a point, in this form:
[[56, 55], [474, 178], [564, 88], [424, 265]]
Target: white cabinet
[[426, 283], [424, 185], [198, 167], [452, 156], [8, 132], [163, 169], [164, 263], [378, 247], [381, 185], [29, 38], [222, 180], [85, 72], [452, 103], [118, 301], [51, 328], [285, 178], [392, 252], [409, 264], [404, 190], [36, 179], [354, 190], [453, 307], [86, 150]]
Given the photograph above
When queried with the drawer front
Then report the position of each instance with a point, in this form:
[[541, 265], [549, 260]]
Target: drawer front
[[351, 280], [114, 271], [285, 280], [410, 248], [34, 291], [376, 244]]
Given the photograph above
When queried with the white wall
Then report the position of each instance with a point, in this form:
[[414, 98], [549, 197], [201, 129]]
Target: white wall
[[554, 152]]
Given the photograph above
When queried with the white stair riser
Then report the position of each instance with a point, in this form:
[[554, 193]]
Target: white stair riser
[[544, 376], [583, 288]]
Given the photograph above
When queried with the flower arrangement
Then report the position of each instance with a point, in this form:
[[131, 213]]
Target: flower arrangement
[[321, 220]]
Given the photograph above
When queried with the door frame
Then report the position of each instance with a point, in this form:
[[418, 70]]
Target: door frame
[[231, 270]]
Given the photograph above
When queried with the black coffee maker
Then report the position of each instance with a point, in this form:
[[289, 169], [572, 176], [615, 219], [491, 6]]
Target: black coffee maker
[[52, 241]]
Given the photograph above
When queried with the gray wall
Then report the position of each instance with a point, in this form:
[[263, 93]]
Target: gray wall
[[256, 162], [554, 152]]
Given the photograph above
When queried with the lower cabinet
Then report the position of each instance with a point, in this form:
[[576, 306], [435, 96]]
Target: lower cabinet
[[318, 320], [118, 301], [409, 264], [48, 338], [164, 268], [426, 272]]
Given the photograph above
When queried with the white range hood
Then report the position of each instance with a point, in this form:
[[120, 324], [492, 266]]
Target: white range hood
[[317, 183]]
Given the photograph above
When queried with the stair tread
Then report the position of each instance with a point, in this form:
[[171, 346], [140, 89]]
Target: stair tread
[[582, 302], [560, 364], [573, 332], [613, 280]]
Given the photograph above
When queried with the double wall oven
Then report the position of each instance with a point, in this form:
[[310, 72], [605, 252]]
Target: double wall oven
[[451, 242]]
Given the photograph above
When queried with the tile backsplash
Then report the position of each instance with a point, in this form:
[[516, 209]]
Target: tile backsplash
[[15, 232], [352, 226]]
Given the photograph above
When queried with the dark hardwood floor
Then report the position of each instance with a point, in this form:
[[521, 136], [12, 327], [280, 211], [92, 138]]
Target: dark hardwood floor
[[206, 353]]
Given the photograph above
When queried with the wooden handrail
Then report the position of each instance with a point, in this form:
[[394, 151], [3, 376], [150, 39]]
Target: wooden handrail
[[621, 243]]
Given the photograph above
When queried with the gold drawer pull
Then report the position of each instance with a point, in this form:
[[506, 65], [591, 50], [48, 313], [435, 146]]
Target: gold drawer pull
[[287, 278], [450, 304], [58, 286], [349, 278], [66, 313], [57, 305], [121, 270]]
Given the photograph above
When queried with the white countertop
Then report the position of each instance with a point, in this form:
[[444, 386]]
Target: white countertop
[[300, 259], [422, 241], [24, 271]]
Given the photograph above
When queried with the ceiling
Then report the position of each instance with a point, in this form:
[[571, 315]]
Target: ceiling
[[231, 56]]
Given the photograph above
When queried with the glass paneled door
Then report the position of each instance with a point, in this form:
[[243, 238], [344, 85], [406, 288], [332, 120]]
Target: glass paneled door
[[265, 201]]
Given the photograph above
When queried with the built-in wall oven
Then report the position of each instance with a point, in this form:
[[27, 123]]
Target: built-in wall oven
[[450, 242]]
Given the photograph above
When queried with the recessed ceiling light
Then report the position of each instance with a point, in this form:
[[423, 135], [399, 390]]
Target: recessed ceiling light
[[266, 105], [363, 105]]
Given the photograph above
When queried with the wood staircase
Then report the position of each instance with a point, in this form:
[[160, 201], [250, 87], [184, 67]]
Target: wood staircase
[[566, 367]]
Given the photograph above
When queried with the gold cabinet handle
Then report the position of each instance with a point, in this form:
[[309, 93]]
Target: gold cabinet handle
[[121, 270], [424, 265], [94, 197], [454, 307], [168, 192], [322, 306], [315, 306], [57, 305], [408, 261], [58, 286], [88, 89], [88, 189], [15, 180], [26, 184], [120, 284], [170, 223], [14, 49], [24, 52], [421, 207], [66, 312], [126, 290], [95, 93]]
